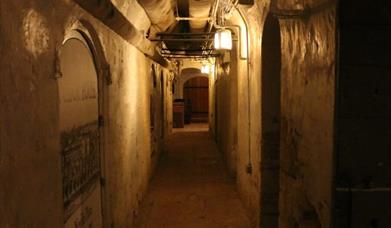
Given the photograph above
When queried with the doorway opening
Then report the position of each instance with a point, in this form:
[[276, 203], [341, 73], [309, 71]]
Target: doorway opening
[[196, 98], [271, 115], [191, 107]]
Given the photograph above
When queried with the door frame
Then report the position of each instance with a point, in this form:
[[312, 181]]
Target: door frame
[[83, 28]]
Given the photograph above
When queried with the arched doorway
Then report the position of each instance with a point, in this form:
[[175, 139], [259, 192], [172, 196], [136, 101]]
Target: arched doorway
[[196, 97], [79, 127], [271, 93]]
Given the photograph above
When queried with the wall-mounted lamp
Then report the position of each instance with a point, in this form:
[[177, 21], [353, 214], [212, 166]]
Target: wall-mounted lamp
[[223, 39]]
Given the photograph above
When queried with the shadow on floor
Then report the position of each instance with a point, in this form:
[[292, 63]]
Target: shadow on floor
[[191, 187]]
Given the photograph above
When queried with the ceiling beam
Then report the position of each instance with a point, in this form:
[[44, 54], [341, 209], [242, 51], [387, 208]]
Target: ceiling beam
[[108, 14]]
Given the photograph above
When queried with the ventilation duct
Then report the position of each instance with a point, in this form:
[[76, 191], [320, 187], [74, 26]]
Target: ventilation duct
[[160, 13], [199, 9], [108, 14], [246, 2]]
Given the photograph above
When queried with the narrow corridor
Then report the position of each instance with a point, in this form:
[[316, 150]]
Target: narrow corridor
[[191, 188], [195, 113]]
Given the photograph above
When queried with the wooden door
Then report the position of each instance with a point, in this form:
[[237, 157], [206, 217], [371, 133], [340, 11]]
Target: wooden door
[[196, 91]]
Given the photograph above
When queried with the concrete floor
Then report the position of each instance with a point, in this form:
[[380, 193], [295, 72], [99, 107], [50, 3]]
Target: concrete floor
[[191, 187], [193, 127]]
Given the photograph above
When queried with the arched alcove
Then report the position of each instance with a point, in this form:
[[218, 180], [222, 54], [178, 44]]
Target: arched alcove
[[271, 93], [79, 128]]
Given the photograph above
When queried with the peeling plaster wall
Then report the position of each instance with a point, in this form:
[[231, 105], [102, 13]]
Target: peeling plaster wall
[[168, 106], [308, 93], [249, 113], [307, 107], [30, 169], [212, 99], [233, 92], [227, 105], [161, 97]]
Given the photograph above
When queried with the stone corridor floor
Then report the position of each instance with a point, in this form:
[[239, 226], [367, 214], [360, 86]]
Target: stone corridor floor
[[191, 188]]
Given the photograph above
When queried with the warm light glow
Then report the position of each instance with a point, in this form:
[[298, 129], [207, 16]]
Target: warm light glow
[[223, 40], [217, 41], [205, 69]]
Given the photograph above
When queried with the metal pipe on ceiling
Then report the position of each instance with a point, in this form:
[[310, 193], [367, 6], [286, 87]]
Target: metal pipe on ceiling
[[213, 15], [108, 14]]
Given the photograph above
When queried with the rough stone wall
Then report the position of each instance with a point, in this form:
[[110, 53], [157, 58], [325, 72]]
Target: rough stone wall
[[249, 113], [227, 102], [168, 107], [161, 98], [30, 171], [233, 92], [307, 106], [307, 99], [212, 99], [363, 149]]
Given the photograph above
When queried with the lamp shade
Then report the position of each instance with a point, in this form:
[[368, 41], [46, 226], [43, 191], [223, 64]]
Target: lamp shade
[[223, 40]]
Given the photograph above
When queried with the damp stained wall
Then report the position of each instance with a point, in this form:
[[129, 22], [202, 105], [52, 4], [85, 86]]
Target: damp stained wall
[[308, 94], [307, 107], [226, 104], [30, 166], [238, 123], [249, 111]]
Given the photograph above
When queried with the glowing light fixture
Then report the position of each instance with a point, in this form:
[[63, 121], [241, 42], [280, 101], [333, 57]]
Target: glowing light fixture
[[223, 39], [205, 69]]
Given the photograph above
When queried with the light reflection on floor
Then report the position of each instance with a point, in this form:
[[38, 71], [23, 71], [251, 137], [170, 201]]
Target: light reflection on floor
[[193, 127]]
